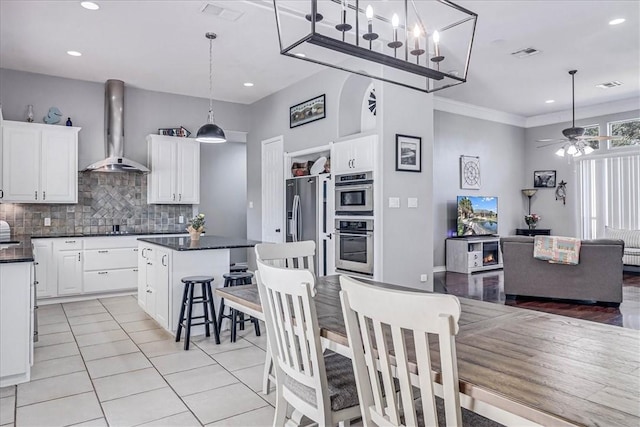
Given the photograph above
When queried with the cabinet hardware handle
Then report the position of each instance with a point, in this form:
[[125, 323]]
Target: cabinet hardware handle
[[148, 291], [36, 263], [143, 249], [103, 272], [44, 195], [78, 256], [174, 197], [277, 230], [135, 250], [36, 282], [69, 241], [135, 269], [163, 258], [36, 193], [180, 197], [103, 252], [1, 194]]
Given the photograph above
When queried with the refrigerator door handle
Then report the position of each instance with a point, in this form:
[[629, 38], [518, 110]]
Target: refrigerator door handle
[[294, 221]]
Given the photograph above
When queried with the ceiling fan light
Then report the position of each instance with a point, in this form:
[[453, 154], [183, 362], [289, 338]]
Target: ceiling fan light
[[577, 154], [588, 150], [560, 152], [572, 150]]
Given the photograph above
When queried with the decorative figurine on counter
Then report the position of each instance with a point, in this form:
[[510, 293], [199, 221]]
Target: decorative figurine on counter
[[69, 123], [29, 113], [561, 192], [53, 116]]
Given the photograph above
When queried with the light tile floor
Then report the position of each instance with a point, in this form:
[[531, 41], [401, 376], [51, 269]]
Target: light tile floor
[[105, 362]]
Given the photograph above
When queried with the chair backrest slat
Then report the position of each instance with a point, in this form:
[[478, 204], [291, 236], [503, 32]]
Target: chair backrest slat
[[401, 312]]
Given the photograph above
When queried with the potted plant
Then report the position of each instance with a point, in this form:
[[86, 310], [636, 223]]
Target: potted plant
[[196, 226], [532, 220]]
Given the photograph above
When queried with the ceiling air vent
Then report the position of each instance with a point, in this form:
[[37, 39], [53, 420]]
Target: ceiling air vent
[[525, 53], [609, 85], [221, 12]]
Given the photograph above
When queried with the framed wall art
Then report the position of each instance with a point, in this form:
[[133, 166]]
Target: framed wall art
[[307, 112], [408, 153], [544, 179], [470, 172]]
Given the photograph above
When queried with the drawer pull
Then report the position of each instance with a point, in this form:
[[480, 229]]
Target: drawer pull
[[135, 269], [135, 250], [69, 241], [103, 252], [103, 272]]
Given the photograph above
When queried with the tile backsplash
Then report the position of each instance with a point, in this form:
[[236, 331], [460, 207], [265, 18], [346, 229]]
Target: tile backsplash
[[104, 200]]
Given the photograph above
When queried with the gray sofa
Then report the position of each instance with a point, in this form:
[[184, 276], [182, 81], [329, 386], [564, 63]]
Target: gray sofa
[[597, 277]]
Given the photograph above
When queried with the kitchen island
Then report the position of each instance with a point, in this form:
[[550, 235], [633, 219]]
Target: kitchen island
[[164, 261], [16, 311]]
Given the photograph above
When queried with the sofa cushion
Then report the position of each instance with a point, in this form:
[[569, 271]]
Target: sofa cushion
[[631, 237]]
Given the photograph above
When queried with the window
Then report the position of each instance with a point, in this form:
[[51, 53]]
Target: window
[[629, 130], [592, 130], [609, 191]]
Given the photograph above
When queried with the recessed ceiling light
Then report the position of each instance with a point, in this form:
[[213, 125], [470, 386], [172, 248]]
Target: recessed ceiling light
[[549, 101], [73, 53], [300, 55], [616, 21], [248, 84], [89, 5]]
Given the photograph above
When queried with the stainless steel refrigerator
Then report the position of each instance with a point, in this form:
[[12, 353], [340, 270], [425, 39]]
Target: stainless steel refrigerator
[[306, 210]]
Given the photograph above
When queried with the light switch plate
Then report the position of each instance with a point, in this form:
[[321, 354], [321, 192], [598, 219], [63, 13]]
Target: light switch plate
[[181, 219], [412, 202], [424, 277], [250, 205], [394, 202], [47, 222]]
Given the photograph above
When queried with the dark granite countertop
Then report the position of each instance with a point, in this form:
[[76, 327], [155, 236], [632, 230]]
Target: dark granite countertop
[[205, 243], [16, 249], [54, 235]]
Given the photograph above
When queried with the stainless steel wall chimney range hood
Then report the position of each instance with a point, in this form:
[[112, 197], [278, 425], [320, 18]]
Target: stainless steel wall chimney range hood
[[114, 133]]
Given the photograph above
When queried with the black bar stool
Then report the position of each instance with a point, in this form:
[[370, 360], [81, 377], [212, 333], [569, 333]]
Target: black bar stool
[[238, 268], [235, 279], [209, 309]]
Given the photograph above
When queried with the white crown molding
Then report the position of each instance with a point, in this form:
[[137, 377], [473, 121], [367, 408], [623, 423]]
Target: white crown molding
[[483, 113], [613, 107]]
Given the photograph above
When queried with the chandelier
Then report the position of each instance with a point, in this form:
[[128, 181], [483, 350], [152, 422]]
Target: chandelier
[[420, 44]]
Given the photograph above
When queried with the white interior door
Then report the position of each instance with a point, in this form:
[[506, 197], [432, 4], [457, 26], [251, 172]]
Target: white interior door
[[273, 229]]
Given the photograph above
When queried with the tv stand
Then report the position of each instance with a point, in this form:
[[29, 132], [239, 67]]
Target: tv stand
[[473, 253]]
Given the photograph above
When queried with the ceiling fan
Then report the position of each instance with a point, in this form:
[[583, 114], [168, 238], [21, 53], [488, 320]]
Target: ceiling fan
[[575, 141]]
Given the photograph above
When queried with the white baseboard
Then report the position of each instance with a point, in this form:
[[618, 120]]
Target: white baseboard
[[439, 268]]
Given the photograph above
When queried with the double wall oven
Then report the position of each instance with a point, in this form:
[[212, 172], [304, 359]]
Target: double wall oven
[[354, 234]]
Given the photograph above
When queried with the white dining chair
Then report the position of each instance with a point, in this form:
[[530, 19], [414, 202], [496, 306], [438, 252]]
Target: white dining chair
[[318, 386], [392, 391], [287, 255]]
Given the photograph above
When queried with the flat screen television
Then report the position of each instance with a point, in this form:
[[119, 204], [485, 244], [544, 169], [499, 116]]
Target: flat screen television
[[477, 216]]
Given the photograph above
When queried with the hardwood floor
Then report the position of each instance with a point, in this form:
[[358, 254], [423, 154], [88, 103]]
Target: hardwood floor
[[489, 287]]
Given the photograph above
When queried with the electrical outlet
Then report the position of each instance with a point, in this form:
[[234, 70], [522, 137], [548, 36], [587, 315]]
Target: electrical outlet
[[181, 219], [47, 222], [424, 277], [412, 202], [394, 202]]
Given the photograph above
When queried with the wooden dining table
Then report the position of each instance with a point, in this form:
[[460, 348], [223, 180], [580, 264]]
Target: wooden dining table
[[517, 366]]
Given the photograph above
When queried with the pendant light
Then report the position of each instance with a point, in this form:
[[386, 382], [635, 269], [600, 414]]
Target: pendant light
[[210, 132]]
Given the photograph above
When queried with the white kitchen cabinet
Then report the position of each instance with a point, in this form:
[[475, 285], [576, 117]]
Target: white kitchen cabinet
[[68, 257], [153, 282], [175, 170], [355, 155], [46, 282], [39, 163], [16, 323]]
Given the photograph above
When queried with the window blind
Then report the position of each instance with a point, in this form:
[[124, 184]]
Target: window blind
[[609, 189]]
